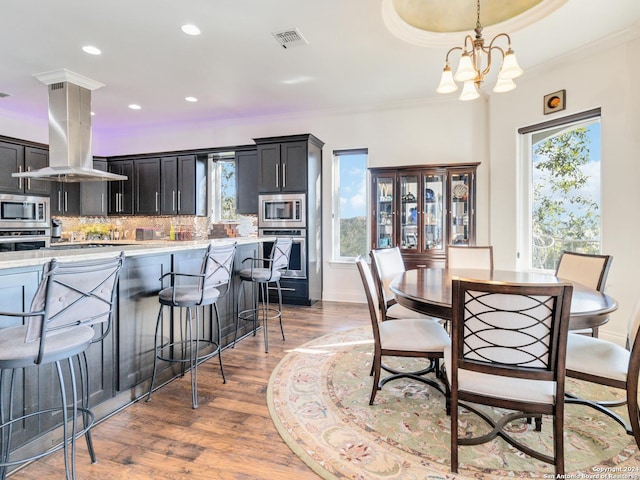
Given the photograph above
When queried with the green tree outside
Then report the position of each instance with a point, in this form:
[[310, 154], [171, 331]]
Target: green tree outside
[[564, 217]]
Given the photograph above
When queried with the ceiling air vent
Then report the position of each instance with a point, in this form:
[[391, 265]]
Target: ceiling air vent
[[290, 38]]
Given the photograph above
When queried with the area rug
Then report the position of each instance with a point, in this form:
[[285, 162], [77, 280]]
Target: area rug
[[318, 397]]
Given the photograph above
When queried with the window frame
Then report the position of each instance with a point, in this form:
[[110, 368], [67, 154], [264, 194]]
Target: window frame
[[335, 206], [524, 202]]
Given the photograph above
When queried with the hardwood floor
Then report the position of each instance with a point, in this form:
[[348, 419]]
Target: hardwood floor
[[230, 435]]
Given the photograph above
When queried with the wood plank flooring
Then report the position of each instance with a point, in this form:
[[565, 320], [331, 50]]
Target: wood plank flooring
[[230, 435]]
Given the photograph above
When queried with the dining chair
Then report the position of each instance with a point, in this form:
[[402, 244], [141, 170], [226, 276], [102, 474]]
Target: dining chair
[[605, 363], [470, 257], [386, 264], [186, 345], [588, 269], [405, 337], [71, 299], [508, 352]]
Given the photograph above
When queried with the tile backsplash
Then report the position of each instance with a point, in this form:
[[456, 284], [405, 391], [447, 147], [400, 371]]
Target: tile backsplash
[[103, 228]]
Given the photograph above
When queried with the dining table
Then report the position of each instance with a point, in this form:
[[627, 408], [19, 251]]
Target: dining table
[[428, 291]]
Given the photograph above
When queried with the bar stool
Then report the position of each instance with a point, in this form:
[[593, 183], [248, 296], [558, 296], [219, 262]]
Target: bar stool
[[71, 298], [217, 266], [261, 277]]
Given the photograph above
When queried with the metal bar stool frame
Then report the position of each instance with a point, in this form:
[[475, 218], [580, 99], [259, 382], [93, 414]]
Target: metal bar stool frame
[[215, 273], [260, 278], [66, 289]]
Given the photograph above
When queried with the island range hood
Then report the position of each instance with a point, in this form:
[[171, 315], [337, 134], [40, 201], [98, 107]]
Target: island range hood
[[70, 156]]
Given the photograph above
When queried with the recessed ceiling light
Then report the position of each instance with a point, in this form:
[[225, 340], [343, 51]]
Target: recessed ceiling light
[[191, 99], [190, 29], [93, 114], [91, 50], [135, 106]]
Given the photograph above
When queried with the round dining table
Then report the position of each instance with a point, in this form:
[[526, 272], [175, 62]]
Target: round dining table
[[428, 291]]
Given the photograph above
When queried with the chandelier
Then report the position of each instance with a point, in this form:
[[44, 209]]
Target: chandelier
[[475, 63]]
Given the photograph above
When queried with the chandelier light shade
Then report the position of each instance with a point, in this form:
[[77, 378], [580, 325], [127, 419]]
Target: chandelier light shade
[[475, 63]]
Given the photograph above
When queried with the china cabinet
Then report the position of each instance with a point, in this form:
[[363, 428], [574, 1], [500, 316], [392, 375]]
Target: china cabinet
[[422, 209]]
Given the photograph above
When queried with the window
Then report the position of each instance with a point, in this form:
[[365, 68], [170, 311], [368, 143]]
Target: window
[[562, 189], [223, 187], [350, 204]]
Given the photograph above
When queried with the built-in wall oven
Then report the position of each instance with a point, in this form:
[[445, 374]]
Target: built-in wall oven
[[25, 223], [282, 211], [298, 259]]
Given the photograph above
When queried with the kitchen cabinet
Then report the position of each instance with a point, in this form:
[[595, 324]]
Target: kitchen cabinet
[[293, 164], [247, 182], [65, 198], [147, 186], [183, 185], [422, 209], [121, 191], [94, 195], [282, 167], [15, 158], [136, 311]]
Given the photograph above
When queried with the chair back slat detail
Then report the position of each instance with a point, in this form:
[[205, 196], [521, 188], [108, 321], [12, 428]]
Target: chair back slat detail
[[512, 330], [280, 253], [75, 293]]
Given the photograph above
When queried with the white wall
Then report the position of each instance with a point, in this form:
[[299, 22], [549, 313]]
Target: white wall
[[605, 78]]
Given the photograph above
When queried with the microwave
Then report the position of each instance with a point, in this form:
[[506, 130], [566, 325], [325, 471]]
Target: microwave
[[22, 211], [282, 211]]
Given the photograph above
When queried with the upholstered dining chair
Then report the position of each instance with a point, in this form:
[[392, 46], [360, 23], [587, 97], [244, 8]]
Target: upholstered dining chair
[[260, 273], [386, 264], [605, 363], [189, 346], [470, 257], [587, 269], [71, 298], [406, 337], [508, 351]]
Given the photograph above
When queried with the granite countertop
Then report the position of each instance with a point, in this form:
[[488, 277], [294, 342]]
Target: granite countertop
[[102, 249]]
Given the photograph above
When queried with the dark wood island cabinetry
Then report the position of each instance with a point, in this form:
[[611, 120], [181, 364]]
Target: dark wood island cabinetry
[[120, 367]]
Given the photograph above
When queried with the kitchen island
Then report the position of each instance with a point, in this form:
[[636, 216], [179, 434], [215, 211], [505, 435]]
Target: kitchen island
[[120, 367]]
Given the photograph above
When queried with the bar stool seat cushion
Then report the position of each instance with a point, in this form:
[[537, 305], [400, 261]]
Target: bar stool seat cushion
[[260, 275], [188, 296], [16, 353]]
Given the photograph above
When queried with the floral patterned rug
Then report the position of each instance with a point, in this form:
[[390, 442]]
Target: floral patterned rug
[[318, 398]]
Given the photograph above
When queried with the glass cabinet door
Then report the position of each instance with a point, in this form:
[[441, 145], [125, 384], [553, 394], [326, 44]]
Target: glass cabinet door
[[433, 213], [409, 212], [459, 227], [384, 211]]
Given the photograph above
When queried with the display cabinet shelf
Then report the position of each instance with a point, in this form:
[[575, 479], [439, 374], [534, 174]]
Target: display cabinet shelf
[[422, 209]]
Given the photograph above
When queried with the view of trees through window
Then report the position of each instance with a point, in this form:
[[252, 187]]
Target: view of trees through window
[[227, 190], [565, 210], [350, 217]]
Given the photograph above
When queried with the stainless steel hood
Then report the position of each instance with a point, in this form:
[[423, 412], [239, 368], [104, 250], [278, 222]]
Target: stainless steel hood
[[70, 156]]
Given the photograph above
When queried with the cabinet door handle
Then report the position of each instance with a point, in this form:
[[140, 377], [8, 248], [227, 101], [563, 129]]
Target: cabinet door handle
[[28, 179], [284, 175], [59, 201], [156, 201], [173, 201], [65, 201], [102, 203], [277, 175], [20, 179], [179, 200]]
